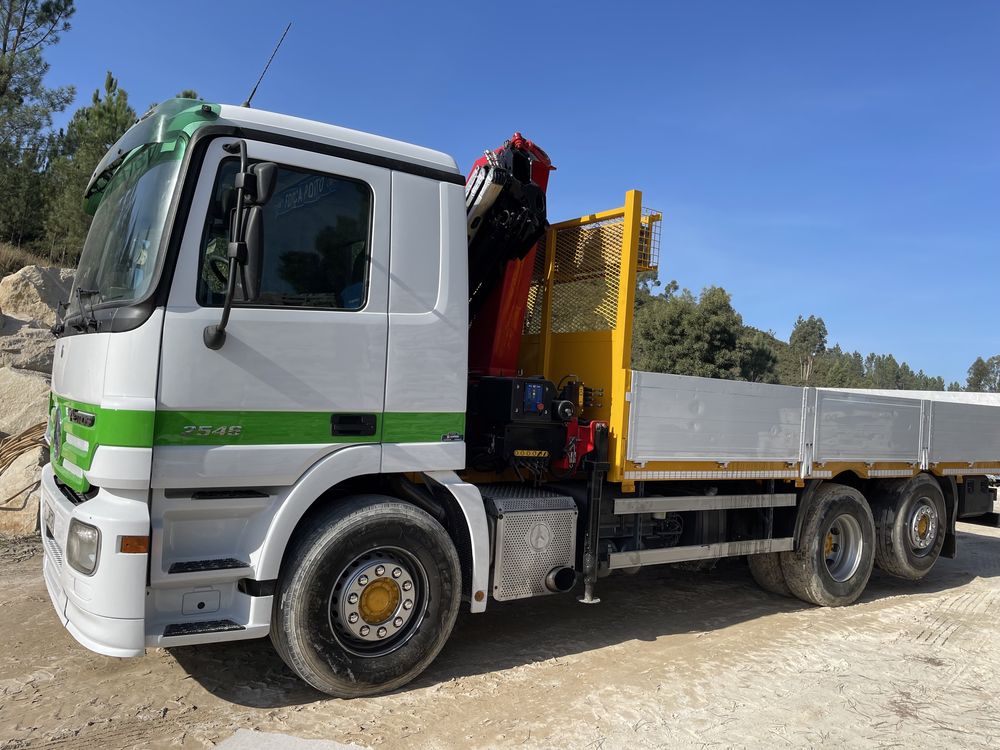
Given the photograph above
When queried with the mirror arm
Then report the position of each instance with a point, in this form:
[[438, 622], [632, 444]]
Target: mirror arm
[[243, 281], [214, 336]]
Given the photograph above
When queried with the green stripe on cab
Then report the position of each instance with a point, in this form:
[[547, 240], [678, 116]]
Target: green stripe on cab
[[297, 427], [422, 427], [145, 429]]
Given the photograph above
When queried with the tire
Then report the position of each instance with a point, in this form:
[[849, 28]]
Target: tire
[[836, 548], [910, 527], [766, 571], [367, 597]]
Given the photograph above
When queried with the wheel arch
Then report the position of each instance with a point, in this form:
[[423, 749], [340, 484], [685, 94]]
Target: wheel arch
[[850, 478], [322, 478], [469, 529], [356, 470]]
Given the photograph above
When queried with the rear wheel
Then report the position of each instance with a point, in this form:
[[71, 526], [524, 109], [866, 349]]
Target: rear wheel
[[367, 598], [909, 527], [835, 551], [766, 571]]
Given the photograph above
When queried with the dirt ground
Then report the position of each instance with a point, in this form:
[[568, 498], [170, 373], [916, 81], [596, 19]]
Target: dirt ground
[[669, 658]]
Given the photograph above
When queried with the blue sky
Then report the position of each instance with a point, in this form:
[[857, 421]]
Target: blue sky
[[839, 159]]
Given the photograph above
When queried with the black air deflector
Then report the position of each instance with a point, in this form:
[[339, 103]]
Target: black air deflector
[[200, 628], [199, 566]]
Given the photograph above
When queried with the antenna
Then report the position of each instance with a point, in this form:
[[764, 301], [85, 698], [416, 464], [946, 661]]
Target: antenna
[[268, 65]]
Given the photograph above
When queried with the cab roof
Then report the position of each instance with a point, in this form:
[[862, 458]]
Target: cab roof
[[333, 135]]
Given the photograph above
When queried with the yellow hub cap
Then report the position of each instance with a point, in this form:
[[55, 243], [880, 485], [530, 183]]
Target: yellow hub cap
[[379, 600], [923, 525], [828, 545]]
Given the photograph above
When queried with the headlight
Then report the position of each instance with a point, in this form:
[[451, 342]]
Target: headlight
[[83, 546]]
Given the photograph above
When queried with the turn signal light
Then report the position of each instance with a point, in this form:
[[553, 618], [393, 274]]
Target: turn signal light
[[135, 544]]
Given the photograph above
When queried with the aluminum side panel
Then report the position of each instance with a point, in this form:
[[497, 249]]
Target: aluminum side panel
[[961, 397], [861, 427], [681, 418], [965, 432]]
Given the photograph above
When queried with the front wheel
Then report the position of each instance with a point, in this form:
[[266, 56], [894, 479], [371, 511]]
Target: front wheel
[[367, 598], [836, 548]]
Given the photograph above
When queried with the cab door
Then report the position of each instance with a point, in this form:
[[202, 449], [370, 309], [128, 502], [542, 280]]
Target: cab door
[[302, 370]]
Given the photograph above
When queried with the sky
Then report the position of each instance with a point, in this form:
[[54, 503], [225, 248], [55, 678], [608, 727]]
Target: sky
[[839, 159]]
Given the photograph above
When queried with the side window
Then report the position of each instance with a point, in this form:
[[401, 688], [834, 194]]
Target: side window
[[317, 235]]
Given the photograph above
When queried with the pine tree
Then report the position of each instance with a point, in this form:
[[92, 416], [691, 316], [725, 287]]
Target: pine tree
[[27, 27], [89, 135], [808, 341], [679, 333], [984, 375]]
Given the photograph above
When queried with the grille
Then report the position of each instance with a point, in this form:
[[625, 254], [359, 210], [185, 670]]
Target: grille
[[70, 494], [511, 498], [535, 532], [54, 552], [536, 292], [587, 272], [521, 568], [649, 241], [585, 280]]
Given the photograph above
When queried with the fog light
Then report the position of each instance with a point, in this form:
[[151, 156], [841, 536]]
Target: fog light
[[83, 546]]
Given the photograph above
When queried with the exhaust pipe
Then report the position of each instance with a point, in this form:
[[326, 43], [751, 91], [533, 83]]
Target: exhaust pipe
[[560, 580]]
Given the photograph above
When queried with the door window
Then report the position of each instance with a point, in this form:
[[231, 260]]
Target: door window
[[317, 240]]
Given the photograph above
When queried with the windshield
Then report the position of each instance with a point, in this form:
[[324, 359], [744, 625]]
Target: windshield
[[120, 255]]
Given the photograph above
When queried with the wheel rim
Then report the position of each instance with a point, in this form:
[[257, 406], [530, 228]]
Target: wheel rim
[[378, 601], [843, 547], [923, 527]]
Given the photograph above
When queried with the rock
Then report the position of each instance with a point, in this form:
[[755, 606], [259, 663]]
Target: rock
[[8, 323], [27, 348], [24, 400], [32, 293], [19, 495]]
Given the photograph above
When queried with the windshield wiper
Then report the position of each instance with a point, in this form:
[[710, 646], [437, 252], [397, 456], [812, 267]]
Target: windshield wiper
[[60, 324], [91, 319]]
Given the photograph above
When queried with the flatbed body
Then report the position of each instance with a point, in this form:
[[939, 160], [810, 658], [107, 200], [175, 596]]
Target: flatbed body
[[682, 427]]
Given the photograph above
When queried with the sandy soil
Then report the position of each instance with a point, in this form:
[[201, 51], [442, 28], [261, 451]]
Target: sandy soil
[[670, 657]]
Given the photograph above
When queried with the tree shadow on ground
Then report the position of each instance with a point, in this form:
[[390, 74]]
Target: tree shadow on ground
[[654, 603]]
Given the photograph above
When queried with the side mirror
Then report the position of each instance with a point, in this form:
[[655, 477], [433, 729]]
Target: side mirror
[[266, 176], [254, 239]]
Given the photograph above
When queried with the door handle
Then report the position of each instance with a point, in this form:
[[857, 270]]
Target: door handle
[[353, 425]]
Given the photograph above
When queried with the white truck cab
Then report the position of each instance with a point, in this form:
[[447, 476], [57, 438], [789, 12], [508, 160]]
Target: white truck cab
[[351, 361]]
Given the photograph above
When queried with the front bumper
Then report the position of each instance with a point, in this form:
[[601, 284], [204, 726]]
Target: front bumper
[[103, 611]]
